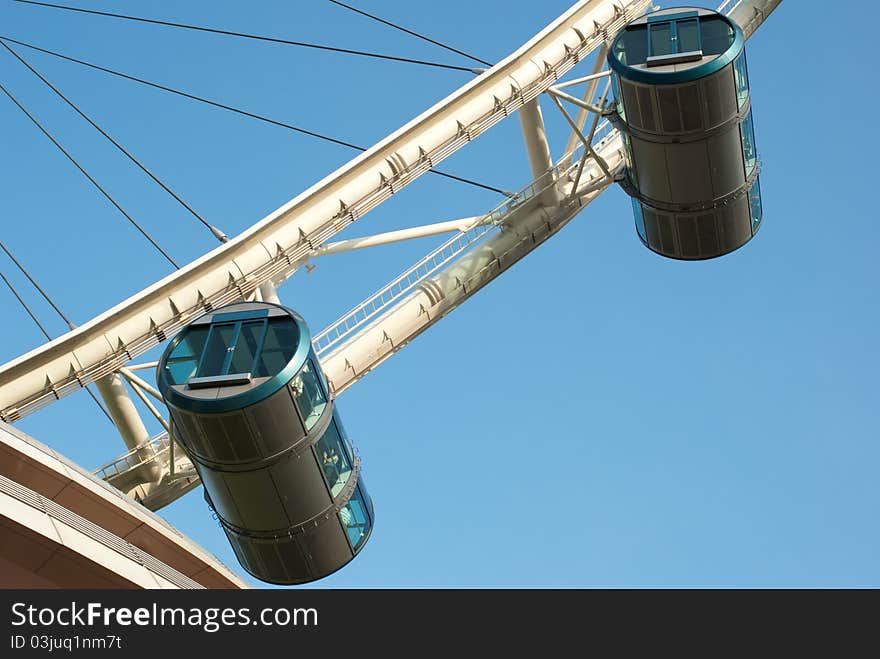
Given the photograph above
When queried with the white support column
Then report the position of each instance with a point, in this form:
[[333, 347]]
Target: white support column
[[538, 150], [132, 429], [122, 410], [269, 293]]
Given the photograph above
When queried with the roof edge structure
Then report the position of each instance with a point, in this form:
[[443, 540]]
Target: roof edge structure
[[74, 517]]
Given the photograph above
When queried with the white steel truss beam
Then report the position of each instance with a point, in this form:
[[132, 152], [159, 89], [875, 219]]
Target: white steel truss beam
[[266, 251], [390, 237], [526, 229], [749, 14]]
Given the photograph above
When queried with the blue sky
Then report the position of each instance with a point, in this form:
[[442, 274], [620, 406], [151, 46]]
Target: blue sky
[[598, 416]]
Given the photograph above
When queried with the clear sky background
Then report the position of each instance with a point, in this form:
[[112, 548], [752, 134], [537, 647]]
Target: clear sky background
[[599, 415]]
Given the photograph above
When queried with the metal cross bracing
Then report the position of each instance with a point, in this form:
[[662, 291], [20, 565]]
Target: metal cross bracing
[[382, 300], [483, 247]]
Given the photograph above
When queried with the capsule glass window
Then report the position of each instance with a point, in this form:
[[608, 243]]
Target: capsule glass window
[[309, 395], [742, 80], [755, 205], [627, 147], [346, 442], [632, 46], [687, 35], [334, 458], [640, 219], [716, 35], [750, 154], [618, 96], [355, 519], [631, 161], [660, 39], [183, 361], [221, 343], [232, 348], [247, 346], [279, 345]]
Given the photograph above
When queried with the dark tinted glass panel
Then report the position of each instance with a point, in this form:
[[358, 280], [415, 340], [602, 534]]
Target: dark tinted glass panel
[[646, 107], [276, 425], [667, 238], [274, 565], [661, 39], [750, 155], [188, 431], [714, 114], [325, 386], [667, 99], [238, 436], [620, 49], [310, 398], [246, 346], [215, 446], [271, 363], [742, 79], [631, 162], [367, 500], [688, 36], [631, 104], [334, 459], [689, 102], [651, 229], [717, 35], [640, 220], [355, 519], [726, 228], [346, 442], [184, 359], [687, 237], [734, 227], [244, 552], [707, 235], [632, 46], [219, 342], [282, 338], [719, 94], [755, 205], [618, 96]]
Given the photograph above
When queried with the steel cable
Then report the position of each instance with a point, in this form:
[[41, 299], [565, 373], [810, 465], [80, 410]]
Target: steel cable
[[245, 35], [89, 176], [235, 110]]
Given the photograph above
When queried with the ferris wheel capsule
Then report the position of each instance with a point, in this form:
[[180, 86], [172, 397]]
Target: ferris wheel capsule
[[682, 101], [252, 409]]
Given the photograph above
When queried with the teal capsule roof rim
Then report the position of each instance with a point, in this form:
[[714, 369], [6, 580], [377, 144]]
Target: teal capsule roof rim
[[247, 398], [647, 76]]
